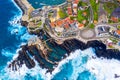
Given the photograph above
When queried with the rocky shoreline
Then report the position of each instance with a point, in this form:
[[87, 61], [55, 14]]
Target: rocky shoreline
[[53, 53], [54, 56], [26, 10]]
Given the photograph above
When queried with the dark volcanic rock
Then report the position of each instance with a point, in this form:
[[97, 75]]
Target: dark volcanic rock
[[24, 23], [72, 45], [98, 45], [57, 52]]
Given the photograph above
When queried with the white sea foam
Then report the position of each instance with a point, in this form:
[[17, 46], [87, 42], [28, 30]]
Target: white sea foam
[[37, 72], [102, 69], [7, 53], [77, 64], [43, 4]]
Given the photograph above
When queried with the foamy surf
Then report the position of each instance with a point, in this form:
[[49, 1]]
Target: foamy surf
[[81, 63], [104, 69]]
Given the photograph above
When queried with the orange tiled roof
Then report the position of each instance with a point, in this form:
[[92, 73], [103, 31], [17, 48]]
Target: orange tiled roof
[[52, 24], [76, 1], [118, 32], [59, 22], [69, 10], [84, 13], [66, 26], [69, 20], [114, 19], [81, 25], [95, 21]]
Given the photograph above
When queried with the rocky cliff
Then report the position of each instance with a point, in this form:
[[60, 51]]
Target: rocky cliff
[[51, 53]]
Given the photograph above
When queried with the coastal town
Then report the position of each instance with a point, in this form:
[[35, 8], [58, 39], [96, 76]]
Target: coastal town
[[84, 20], [61, 29]]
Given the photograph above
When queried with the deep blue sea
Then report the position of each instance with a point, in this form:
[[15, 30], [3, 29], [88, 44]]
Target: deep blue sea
[[40, 3], [78, 66]]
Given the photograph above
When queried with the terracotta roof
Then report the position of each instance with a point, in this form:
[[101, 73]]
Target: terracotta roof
[[69, 10], [69, 20], [81, 25], [114, 19], [76, 1], [84, 13], [95, 21], [52, 24], [66, 26], [59, 22], [118, 32]]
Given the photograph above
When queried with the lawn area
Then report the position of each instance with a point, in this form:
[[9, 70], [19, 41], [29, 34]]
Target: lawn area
[[95, 7], [62, 14], [80, 16], [109, 7], [91, 26]]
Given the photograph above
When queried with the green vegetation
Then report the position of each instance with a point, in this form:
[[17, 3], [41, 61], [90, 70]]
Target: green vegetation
[[111, 46], [109, 7], [115, 41], [118, 27], [50, 14], [39, 24], [58, 33], [33, 21], [72, 18], [62, 14], [29, 16], [81, 17], [45, 27], [91, 26], [82, 4], [65, 8], [95, 7], [31, 28]]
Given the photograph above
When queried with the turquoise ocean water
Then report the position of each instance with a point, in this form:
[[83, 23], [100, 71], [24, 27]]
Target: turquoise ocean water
[[80, 65]]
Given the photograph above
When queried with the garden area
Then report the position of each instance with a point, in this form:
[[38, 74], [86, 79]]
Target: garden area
[[83, 15]]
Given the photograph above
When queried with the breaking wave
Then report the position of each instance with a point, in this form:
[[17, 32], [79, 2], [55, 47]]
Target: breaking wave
[[80, 65]]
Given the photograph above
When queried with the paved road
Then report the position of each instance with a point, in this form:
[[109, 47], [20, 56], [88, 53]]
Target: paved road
[[91, 14]]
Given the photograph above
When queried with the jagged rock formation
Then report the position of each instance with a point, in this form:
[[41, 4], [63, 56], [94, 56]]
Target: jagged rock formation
[[49, 53], [24, 23]]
